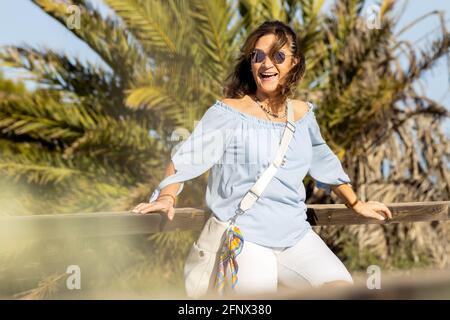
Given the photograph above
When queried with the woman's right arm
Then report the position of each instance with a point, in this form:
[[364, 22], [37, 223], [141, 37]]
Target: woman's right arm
[[200, 151], [171, 189], [165, 201]]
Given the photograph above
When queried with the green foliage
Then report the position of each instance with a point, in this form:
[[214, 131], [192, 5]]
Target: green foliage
[[357, 259]]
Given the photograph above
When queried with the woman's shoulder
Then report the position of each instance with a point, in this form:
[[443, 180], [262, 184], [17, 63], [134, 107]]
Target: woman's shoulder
[[234, 102], [240, 107], [301, 108], [239, 104], [220, 114]]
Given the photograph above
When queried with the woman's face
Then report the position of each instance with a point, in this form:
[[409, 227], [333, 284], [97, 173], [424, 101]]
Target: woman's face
[[268, 85]]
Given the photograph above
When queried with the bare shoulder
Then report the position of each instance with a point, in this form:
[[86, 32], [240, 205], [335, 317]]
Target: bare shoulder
[[300, 108], [240, 104]]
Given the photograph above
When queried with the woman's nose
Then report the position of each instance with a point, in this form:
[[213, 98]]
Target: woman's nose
[[267, 62]]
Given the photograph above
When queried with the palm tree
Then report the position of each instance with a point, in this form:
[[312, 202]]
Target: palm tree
[[94, 139]]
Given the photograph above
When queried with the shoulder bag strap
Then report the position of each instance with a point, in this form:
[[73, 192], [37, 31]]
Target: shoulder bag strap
[[257, 189]]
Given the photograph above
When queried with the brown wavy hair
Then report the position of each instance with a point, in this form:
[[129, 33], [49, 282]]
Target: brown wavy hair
[[241, 82]]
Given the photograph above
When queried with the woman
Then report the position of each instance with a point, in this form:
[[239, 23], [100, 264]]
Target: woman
[[237, 139]]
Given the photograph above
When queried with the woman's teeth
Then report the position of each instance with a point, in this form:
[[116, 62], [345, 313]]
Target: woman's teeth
[[268, 76]]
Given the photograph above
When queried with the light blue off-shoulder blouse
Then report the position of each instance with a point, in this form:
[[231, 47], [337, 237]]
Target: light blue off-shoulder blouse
[[237, 147]]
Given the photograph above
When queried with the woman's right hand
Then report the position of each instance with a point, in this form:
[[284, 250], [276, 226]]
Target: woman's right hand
[[164, 204]]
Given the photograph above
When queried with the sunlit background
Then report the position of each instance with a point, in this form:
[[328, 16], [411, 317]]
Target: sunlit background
[[22, 22]]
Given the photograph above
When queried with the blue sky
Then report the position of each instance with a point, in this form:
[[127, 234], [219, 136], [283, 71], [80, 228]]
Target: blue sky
[[21, 22]]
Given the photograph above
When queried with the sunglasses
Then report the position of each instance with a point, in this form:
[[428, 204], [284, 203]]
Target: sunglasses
[[258, 56]]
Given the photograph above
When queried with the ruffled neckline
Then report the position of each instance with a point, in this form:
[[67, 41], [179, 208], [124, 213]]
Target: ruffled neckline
[[264, 122]]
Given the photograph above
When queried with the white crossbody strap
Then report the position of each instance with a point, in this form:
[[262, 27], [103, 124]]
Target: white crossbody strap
[[256, 190]]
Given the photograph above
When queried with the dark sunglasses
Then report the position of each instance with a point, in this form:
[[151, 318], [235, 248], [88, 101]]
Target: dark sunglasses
[[258, 56]]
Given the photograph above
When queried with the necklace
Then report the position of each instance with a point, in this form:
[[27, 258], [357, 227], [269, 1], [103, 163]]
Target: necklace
[[268, 111]]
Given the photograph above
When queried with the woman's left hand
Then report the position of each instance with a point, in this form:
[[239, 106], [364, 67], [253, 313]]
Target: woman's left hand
[[373, 209]]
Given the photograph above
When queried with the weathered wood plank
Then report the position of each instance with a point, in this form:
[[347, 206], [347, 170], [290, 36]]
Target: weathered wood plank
[[126, 223], [335, 214], [419, 284], [89, 224]]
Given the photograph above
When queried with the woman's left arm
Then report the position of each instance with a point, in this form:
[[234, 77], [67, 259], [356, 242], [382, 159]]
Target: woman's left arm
[[369, 209]]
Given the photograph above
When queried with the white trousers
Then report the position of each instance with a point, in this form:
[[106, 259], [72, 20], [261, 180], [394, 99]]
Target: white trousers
[[308, 263]]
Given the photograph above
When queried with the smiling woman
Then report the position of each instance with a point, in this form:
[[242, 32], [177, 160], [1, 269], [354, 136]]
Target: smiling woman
[[270, 60], [256, 179]]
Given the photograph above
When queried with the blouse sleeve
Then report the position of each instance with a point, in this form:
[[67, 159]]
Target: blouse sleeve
[[201, 150], [326, 168]]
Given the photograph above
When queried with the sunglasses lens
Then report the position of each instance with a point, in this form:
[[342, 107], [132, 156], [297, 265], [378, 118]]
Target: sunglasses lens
[[258, 56], [279, 57]]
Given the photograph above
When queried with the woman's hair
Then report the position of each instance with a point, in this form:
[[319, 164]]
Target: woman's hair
[[241, 82]]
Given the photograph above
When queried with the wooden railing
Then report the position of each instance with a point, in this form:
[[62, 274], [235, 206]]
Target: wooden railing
[[421, 284], [125, 223], [100, 224]]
